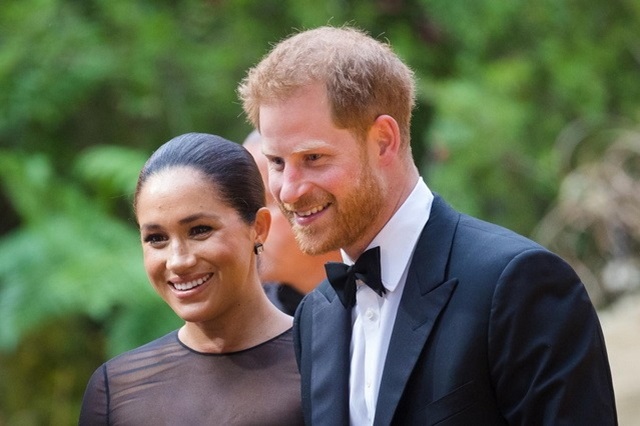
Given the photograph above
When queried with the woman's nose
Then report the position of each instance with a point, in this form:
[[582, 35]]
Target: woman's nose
[[181, 257]]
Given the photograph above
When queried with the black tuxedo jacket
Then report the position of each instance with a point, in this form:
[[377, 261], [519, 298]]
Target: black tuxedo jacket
[[492, 329]]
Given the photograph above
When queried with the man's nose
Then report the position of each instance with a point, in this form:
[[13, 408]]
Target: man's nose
[[289, 186]]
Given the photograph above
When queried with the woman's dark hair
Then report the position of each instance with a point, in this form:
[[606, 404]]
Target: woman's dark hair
[[228, 165]]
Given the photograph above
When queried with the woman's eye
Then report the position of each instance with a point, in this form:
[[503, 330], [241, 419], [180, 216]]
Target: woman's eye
[[154, 239], [200, 230]]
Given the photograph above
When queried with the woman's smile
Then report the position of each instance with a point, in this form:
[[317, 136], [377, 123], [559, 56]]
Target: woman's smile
[[181, 285]]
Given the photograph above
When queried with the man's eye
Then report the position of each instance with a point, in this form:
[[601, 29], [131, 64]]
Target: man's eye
[[276, 163], [314, 157]]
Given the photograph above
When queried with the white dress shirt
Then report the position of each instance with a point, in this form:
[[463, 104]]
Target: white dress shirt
[[373, 316]]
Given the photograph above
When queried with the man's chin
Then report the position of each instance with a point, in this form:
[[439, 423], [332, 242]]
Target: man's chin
[[313, 245], [312, 250]]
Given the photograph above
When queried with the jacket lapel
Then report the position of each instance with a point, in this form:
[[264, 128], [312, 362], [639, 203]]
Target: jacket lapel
[[425, 294], [331, 334]]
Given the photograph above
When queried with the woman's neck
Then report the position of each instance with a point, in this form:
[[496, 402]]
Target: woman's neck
[[249, 325]]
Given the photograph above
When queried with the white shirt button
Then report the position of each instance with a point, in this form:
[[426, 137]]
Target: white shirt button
[[370, 314]]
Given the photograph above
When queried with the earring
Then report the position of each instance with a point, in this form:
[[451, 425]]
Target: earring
[[258, 248]]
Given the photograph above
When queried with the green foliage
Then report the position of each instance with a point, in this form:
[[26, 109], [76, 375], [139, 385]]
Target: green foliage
[[69, 255], [45, 376], [72, 287], [110, 171], [522, 72]]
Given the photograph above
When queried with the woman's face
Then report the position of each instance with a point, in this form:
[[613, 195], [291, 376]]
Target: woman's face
[[198, 252]]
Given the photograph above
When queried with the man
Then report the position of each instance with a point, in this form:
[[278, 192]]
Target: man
[[475, 325], [286, 272]]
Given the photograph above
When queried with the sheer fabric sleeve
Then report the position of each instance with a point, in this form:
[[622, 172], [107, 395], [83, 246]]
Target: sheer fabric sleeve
[[95, 404]]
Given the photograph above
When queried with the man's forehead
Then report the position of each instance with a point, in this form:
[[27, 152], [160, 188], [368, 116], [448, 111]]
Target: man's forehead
[[279, 147]]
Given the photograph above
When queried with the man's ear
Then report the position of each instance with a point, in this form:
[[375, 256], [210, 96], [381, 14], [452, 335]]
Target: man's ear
[[262, 224], [386, 134]]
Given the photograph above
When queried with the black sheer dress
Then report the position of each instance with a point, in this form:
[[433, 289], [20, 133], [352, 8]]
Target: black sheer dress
[[166, 383]]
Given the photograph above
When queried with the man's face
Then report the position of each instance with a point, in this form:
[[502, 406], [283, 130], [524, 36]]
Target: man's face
[[321, 175], [282, 261]]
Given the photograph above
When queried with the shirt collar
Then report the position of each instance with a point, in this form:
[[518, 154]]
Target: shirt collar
[[398, 238]]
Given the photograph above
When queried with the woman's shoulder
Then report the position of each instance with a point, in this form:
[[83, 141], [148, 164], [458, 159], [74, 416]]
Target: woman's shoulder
[[149, 352]]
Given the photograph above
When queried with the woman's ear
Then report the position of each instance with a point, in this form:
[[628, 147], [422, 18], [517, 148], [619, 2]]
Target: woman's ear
[[386, 134], [262, 224]]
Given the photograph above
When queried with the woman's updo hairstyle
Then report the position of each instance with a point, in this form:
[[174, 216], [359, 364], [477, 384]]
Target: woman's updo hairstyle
[[229, 167]]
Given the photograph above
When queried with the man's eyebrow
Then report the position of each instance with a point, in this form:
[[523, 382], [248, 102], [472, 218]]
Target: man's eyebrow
[[302, 149]]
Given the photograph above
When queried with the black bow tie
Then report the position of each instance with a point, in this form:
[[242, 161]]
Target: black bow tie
[[366, 269]]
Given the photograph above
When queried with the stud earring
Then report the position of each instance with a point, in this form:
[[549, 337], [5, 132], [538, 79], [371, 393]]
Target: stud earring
[[258, 248]]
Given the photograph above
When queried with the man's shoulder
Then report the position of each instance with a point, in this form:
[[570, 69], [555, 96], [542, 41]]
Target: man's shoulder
[[322, 293], [482, 226], [479, 244]]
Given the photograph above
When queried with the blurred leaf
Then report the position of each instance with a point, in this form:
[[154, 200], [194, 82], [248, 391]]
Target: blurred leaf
[[71, 258], [111, 170]]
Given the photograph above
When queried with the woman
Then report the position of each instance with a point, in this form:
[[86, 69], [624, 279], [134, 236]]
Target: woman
[[199, 203]]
